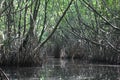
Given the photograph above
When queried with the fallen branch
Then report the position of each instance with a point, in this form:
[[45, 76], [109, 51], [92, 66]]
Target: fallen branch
[[4, 74]]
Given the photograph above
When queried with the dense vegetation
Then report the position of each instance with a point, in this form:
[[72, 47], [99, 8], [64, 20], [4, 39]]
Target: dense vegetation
[[32, 30]]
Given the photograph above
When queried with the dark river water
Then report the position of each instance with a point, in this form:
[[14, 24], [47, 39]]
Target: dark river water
[[56, 69]]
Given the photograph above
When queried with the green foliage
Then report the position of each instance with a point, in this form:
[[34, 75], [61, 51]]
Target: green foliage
[[29, 18]]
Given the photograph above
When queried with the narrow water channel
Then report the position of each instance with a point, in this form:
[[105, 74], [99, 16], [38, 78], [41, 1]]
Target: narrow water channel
[[56, 69]]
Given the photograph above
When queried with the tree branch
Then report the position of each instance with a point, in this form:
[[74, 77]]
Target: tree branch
[[44, 22], [113, 26], [55, 28]]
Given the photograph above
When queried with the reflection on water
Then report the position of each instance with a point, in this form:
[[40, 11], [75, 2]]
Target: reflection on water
[[55, 69]]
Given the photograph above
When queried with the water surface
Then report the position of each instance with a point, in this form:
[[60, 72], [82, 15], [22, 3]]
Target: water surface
[[56, 69]]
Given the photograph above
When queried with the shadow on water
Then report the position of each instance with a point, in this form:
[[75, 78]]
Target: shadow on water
[[56, 69]]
